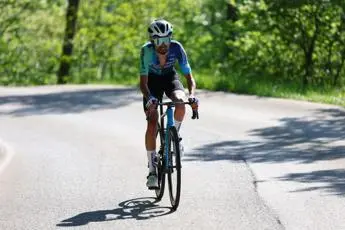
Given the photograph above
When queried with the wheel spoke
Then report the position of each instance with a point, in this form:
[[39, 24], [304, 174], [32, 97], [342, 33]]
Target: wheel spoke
[[174, 175], [160, 167]]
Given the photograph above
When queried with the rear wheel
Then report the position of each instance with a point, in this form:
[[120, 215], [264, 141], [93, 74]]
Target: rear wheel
[[174, 169], [160, 165]]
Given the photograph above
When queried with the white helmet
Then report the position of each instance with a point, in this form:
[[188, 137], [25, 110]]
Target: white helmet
[[160, 28]]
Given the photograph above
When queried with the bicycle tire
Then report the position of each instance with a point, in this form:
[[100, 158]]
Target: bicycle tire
[[174, 168], [160, 166]]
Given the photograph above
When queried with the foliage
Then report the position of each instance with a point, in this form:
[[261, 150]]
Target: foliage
[[300, 43], [30, 42]]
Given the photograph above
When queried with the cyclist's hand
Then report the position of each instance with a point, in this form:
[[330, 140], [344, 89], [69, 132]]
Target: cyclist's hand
[[151, 104], [194, 103]]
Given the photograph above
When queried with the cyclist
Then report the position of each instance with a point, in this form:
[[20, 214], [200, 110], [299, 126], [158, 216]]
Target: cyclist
[[158, 76]]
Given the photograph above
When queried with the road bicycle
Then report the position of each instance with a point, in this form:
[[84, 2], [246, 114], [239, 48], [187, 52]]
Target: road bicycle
[[169, 155]]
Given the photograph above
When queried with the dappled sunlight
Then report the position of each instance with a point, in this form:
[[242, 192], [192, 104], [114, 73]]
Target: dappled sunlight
[[330, 181], [302, 140], [67, 102]]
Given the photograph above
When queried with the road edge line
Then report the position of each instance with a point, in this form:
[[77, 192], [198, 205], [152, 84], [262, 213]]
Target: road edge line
[[8, 153]]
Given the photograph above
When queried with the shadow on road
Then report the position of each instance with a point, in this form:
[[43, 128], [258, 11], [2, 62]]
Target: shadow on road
[[333, 181], [303, 140], [68, 102], [138, 209]]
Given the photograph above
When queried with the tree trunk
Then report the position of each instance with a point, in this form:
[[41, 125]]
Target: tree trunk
[[232, 13], [308, 51], [308, 67], [231, 16], [67, 49]]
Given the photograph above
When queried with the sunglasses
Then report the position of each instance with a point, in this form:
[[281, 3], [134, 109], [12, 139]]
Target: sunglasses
[[159, 41]]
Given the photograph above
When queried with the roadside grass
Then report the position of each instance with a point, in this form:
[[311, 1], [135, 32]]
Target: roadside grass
[[118, 81], [251, 86], [266, 88], [234, 83]]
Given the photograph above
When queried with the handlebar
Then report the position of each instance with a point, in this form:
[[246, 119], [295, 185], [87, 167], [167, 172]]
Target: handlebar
[[171, 104]]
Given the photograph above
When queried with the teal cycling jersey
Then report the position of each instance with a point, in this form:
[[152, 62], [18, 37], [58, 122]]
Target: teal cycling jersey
[[149, 62]]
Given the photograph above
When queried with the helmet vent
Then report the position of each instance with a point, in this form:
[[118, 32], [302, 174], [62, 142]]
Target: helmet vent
[[157, 29], [160, 28]]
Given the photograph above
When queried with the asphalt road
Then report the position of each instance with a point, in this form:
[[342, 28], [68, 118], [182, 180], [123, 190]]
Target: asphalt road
[[73, 157]]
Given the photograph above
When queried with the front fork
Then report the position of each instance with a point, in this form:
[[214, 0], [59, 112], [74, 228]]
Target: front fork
[[170, 123]]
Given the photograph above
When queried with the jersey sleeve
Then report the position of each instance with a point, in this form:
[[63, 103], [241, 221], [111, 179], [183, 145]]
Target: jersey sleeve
[[144, 64], [183, 61]]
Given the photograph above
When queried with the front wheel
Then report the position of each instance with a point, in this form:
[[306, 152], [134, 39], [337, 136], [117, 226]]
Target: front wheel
[[174, 167], [160, 165]]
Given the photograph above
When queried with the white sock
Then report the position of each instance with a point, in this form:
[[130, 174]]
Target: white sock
[[178, 125], [152, 158]]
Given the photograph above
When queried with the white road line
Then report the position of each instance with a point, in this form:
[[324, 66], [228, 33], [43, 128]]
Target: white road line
[[8, 153]]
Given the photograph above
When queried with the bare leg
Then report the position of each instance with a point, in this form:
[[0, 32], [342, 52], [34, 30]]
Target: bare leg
[[150, 135], [178, 96]]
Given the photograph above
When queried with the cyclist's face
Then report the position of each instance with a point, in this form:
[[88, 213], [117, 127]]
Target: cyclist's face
[[162, 49], [162, 44]]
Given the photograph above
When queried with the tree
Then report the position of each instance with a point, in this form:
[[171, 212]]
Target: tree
[[67, 50]]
